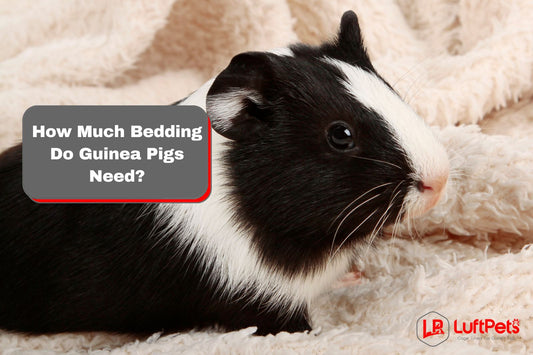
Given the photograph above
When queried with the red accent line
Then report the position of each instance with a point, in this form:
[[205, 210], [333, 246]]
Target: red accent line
[[199, 199]]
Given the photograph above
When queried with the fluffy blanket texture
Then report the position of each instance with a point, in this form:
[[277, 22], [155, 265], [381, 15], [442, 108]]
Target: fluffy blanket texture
[[465, 66]]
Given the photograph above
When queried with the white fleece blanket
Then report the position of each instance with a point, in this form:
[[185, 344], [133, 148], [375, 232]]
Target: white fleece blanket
[[456, 62]]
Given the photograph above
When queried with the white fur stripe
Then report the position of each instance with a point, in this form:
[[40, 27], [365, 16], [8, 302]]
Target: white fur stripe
[[425, 154], [410, 131]]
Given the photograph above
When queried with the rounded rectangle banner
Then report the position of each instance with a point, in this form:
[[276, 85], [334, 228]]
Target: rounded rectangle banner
[[116, 154]]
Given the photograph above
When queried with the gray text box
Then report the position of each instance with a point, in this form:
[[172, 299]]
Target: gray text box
[[116, 153]]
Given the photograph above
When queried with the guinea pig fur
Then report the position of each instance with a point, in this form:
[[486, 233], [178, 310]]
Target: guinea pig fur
[[313, 154]]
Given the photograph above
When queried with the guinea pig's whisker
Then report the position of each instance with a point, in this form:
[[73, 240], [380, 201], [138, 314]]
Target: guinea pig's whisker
[[351, 233], [409, 226], [382, 220], [457, 174], [379, 161], [408, 71], [348, 215], [355, 200], [415, 94], [416, 232], [396, 226], [375, 232], [416, 80], [373, 235], [401, 77], [353, 210], [391, 202]]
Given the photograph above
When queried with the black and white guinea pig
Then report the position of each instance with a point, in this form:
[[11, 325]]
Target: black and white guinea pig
[[313, 154]]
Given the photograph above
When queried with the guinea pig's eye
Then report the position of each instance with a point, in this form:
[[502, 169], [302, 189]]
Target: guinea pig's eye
[[340, 136]]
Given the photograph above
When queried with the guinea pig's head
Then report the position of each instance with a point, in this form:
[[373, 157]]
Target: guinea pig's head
[[321, 150]]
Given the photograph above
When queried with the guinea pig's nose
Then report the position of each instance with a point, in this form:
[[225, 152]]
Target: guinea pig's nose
[[431, 189], [423, 187], [432, 184]]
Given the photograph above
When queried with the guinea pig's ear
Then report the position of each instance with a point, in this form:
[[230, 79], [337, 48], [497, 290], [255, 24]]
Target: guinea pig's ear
[[349, 45], [235, 102]]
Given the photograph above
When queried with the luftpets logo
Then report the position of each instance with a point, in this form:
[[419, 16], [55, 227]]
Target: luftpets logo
[[433, 328]]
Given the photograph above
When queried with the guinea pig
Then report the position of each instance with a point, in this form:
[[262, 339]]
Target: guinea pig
[[313, 154]]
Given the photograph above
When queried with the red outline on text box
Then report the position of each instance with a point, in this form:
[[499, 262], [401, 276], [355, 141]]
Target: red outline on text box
[[199, 199]]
